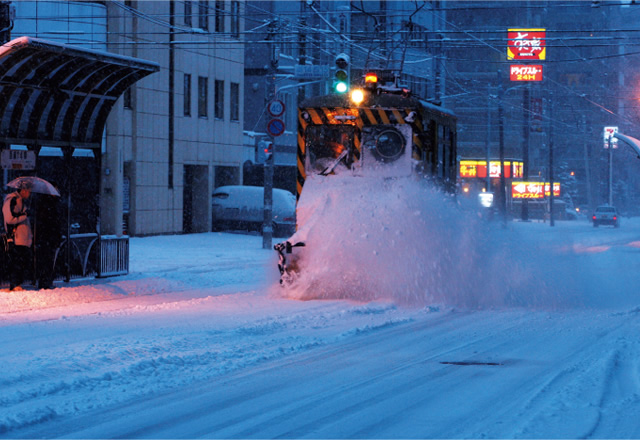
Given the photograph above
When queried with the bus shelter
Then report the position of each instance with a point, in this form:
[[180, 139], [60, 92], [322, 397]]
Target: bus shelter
[[55, 99]]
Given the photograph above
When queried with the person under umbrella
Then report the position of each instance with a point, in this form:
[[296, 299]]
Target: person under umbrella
[[20, 236]]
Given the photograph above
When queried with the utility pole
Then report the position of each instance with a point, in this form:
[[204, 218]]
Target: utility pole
[[610, 185], [587, 169], [551, 220], [525, 147], [488, 138], [525, 133], [302, 44], [503, 182]]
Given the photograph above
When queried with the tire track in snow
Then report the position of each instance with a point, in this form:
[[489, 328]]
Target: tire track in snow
[[182, 413], [306, 401], [361, 391], [414, 387], [262, 328], [617, 398], [587, 374]]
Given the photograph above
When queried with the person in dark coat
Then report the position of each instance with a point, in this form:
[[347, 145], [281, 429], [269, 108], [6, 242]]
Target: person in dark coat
[[47, 237], [20, 236]]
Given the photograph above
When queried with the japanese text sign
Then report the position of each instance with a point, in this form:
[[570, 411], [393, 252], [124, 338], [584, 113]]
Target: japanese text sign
[[526, 44], [533, 190], [478, 168], [529, 72]]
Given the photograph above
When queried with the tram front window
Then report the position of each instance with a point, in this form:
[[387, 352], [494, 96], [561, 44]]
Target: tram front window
[[326, 144]]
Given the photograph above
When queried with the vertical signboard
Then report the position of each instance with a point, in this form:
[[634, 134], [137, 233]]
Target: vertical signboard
[[536, 114]]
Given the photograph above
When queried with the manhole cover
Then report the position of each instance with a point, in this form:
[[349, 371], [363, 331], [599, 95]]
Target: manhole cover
[[470, 363]]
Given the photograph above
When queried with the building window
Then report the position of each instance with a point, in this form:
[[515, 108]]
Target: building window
[[219, 113], [234, 102], [202, 96], [188, 13], [203, 15], [128, 99], [187, 94], [235, 19], [219, 15]]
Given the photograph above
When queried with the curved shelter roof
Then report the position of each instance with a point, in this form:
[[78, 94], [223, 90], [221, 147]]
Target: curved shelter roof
[[59, 95]]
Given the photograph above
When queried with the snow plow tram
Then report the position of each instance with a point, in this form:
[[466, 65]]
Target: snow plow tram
[[373, 133]]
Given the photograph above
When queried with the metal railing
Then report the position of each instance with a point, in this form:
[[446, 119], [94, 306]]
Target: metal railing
[[114, 256], [91, 256], [94, 255]]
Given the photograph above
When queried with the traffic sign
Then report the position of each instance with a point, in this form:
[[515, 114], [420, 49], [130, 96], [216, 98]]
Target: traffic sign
[[276, 108], [18, 159], [275, 127]]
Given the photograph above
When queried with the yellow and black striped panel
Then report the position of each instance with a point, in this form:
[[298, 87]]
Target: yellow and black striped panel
[[301, 175]]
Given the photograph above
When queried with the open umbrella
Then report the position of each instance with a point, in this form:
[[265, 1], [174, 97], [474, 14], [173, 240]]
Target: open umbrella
[[36, 184]]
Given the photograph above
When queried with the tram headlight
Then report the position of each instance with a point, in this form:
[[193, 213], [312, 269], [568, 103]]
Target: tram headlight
[[357, 96], [389, 146]]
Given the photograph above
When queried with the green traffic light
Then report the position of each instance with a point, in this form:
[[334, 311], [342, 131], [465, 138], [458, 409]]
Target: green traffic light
[[341, 87]]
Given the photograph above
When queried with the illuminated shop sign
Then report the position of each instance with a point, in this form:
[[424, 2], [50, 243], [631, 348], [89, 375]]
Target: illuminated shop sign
[[533, 190], [526, 44], [528, 72], [608, 137], [478, 168]]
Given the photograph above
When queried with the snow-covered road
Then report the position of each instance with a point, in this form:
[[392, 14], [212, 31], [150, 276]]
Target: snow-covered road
[[446, 375], [203, 346]]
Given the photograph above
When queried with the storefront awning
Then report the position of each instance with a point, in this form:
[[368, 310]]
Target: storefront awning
[[58, 95]]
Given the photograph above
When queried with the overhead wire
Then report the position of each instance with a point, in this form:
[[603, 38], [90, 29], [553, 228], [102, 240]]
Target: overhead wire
[[222, 41]]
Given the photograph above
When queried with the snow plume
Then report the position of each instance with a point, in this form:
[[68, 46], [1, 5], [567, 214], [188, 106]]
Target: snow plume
[[403, 241]]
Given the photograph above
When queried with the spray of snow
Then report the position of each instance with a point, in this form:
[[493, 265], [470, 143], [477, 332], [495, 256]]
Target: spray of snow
[[403, 241]]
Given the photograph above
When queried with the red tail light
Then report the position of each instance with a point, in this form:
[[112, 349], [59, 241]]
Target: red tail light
[[594, 217]]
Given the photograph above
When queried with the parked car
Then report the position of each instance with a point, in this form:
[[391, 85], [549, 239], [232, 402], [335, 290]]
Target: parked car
[[570, 214], [606, 215], [238, 207]]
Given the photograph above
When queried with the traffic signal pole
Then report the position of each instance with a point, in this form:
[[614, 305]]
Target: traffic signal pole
[[267, 224]]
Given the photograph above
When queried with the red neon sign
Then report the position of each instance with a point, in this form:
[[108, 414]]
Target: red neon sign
[[478, 168], [528, 72], [533, 190]]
